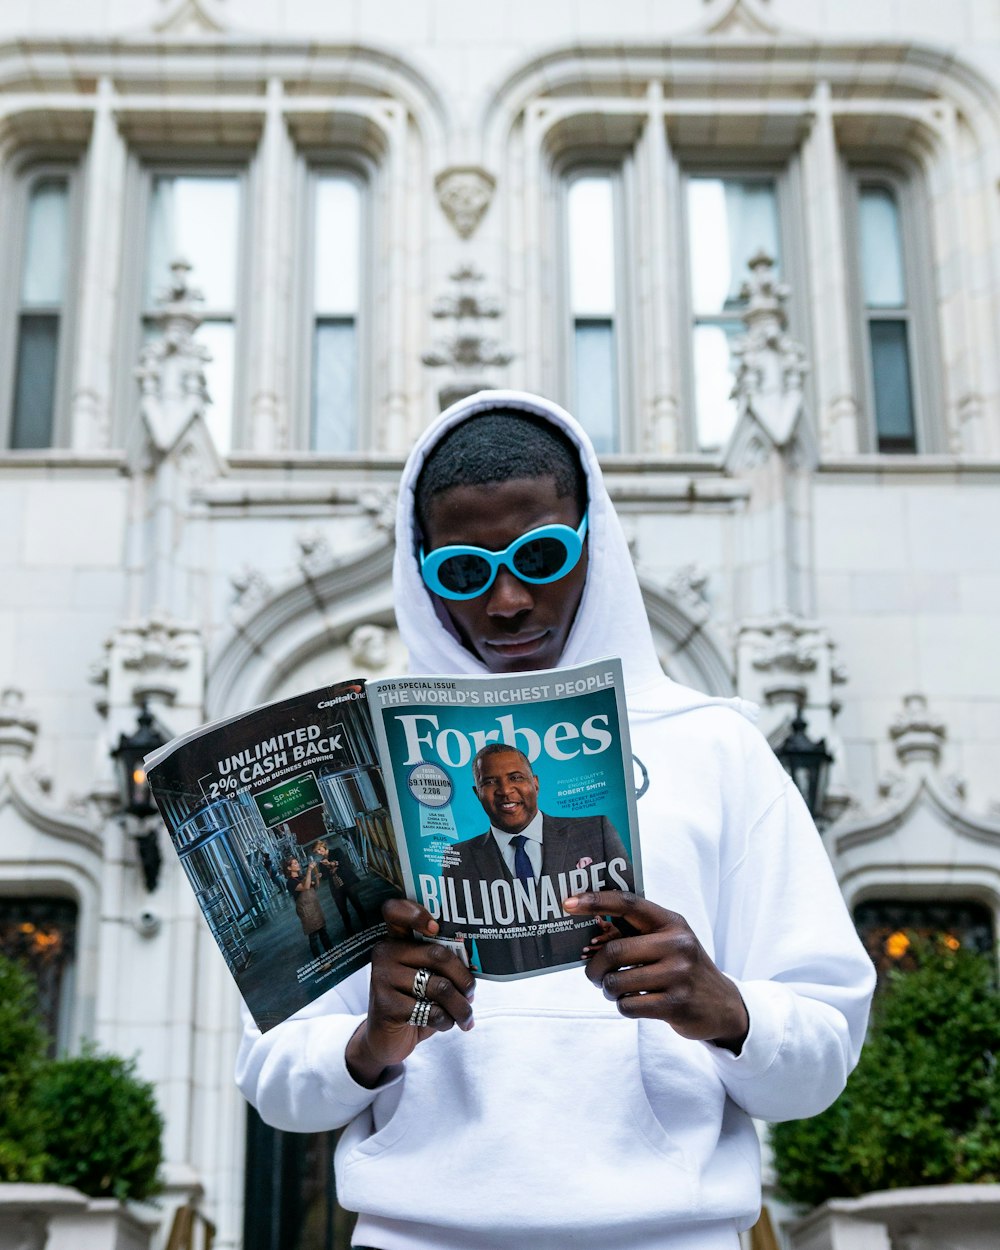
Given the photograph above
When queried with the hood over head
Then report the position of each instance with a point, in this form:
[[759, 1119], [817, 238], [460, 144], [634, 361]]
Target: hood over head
[[611, 618]]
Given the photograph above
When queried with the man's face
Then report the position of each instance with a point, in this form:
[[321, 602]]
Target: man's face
[[513, 625], [508, 790]]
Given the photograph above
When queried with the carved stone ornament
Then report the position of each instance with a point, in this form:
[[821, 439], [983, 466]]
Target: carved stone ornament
[[157, 644], [190, 17], [251, 586], [18, 727], [171, 373], [468, 350], [688, 585], [738, 18], [380, 506], [770, 366], [787, 644], [917, 734], [316, 552], [464, 193], [368, 647]]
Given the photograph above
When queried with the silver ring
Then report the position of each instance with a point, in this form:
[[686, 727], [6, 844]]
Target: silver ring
[[421, 1013], [420, 980]]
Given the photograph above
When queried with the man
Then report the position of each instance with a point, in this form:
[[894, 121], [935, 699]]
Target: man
[[606, 1106], [523, 843], [343, 883]]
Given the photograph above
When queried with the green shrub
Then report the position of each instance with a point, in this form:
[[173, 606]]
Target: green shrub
[[923, 1105], [88, 1121], [103, 1130], [22, 1053]]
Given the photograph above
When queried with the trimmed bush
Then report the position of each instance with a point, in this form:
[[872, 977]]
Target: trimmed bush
[[22, 1053], [89, 1121], [103, 1130], [923, 1105]]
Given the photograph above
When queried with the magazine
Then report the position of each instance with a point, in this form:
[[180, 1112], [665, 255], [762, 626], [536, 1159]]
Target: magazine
[[486, 799]]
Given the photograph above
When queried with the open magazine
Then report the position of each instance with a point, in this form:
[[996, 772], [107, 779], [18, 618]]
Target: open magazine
[[487, 799]]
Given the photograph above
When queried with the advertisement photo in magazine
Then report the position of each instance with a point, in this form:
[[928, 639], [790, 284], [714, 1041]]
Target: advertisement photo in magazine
[[509, 794], [280, 821]]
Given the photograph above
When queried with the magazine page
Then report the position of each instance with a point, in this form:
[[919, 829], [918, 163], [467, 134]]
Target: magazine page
[[280, 821], [508, 794]]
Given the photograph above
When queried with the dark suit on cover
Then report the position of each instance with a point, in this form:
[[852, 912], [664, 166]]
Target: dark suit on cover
[[566, 840]]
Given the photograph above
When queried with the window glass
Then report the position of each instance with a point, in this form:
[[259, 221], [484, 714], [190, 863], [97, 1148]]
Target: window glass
[[730, 220], [891, 384], [889, 927], [336, 287], [592, 247], [881, 249], [40, 934], [46, 253], [334, 403], [42, 294], [883, 285], [592, 301], [596, 382], [196, 217]]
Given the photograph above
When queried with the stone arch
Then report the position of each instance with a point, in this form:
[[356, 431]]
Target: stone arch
[[686, 643], [50, 852], [311, 615]]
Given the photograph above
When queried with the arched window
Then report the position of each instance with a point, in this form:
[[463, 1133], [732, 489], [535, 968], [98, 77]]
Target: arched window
[[889, 927], [40, 934]]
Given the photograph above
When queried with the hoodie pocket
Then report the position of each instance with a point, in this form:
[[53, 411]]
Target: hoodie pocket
[[528, 1095]]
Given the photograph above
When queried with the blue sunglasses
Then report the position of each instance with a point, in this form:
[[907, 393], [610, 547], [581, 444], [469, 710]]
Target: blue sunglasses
[[539, 556]]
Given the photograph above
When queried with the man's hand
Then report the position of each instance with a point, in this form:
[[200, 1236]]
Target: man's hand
[[662, 973], [385, 1037]]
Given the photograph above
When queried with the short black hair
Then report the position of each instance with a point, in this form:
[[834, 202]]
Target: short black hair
[[496, 748], [496, 446]]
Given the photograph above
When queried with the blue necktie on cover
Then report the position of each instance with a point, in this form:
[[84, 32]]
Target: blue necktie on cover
[[522, 864]]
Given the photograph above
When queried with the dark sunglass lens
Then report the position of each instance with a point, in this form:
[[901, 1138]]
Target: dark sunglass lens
[[542, 557], [464, 574]]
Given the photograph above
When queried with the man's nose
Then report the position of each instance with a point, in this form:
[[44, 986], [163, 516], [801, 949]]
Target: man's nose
[[509, 596]]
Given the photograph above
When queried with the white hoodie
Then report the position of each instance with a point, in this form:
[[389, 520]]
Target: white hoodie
[[556, 1122]]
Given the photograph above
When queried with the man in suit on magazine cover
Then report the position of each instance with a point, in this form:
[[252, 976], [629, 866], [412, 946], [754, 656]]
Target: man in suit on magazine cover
[[526, 844]]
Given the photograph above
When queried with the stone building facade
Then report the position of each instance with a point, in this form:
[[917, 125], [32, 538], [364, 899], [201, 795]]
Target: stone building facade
[[250, 247]]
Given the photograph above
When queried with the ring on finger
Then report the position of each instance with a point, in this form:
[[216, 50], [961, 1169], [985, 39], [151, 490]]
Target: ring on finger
[[420, 979], [421, 1013]]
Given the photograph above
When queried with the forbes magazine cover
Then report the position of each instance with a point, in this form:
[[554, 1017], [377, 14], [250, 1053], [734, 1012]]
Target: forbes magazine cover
[[510, 794]]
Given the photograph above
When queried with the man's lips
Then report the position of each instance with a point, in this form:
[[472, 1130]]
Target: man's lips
[[519, 644]]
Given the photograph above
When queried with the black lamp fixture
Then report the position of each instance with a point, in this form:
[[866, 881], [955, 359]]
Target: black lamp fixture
[[807, 763], [136, 796]]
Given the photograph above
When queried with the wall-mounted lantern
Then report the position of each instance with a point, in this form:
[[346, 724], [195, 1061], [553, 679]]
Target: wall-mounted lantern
[[807, 763], [136, 796]]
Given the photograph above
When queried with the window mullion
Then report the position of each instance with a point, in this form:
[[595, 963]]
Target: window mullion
[[93, 379], [268, 294], [834, 381]]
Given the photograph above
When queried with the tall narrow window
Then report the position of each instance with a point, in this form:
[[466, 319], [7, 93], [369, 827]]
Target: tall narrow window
[[336, 294], [730, 219], [196, 217], [44, 276], [593, 305], [888, 317]]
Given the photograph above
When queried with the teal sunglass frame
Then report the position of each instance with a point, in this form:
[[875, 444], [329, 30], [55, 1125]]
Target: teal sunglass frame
[[431, 563]]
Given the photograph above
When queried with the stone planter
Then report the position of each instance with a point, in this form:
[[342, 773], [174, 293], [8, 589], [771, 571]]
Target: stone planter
[[961, 1217], [27, 1210], [54, 1217]]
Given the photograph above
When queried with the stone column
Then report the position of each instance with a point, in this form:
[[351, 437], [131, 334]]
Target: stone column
[[100, 295], [268, 355], [661, 370], [838, 413]]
